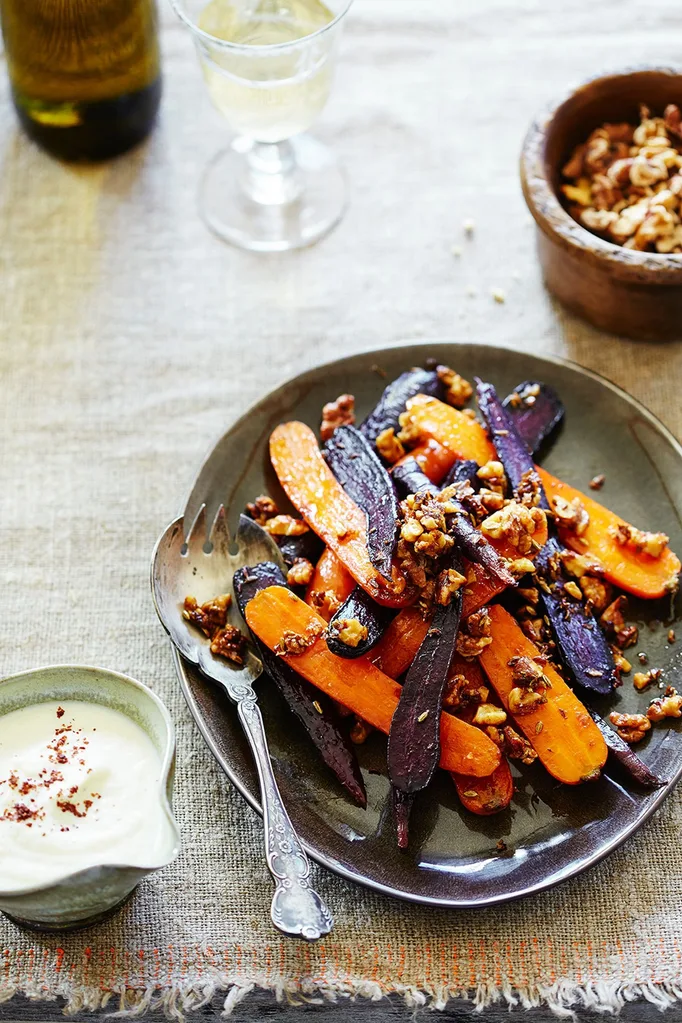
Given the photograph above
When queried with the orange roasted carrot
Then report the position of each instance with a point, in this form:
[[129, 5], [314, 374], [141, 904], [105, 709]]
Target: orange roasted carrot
[[330, 585], [632, 570], [329, 511], [434, 460], [565, 737], [629, 569], [485, 796], [276, 613]]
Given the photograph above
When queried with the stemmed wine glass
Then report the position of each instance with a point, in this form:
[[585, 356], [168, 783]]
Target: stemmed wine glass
[[268, 65]]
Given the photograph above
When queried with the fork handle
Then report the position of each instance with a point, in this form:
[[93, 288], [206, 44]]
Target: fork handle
[[297, 909]]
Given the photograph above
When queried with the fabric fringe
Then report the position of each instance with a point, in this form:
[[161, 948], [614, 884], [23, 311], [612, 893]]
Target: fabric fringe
[[564, 998]]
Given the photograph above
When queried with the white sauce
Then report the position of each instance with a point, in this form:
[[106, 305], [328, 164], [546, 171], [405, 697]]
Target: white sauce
[[79, 787]]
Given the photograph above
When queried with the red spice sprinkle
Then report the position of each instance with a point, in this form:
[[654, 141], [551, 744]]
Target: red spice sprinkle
[[60, 712]]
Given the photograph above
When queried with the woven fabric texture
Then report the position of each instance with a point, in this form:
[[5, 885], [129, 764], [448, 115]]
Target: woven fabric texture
[[131, 338]]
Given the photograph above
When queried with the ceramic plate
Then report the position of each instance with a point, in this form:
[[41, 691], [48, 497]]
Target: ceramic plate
[[552, 832]]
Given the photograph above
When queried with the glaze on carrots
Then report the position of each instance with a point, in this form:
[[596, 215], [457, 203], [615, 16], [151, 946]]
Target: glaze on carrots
[[561, 731], [329, 511], [275, 613]]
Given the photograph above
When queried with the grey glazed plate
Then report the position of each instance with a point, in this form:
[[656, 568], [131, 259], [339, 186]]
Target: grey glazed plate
[[552, 832]]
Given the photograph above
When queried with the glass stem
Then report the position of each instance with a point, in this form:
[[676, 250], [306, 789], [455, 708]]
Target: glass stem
[[271, 175]]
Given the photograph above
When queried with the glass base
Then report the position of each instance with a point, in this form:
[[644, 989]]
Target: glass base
[[272, 198]]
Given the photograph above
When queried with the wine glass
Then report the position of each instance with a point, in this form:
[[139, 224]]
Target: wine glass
[[268, 65]]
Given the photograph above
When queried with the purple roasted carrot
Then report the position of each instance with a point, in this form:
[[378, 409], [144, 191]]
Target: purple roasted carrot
[[625, 755], [394, 399], [537, 410]]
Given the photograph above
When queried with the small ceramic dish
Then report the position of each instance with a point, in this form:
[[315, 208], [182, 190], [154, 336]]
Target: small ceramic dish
[[84, 897], [636, 294]]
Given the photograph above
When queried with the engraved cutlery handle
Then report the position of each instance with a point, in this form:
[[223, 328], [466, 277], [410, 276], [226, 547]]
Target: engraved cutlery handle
[[297, 909]]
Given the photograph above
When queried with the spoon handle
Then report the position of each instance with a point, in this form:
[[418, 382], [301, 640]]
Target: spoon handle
[[297, 909]]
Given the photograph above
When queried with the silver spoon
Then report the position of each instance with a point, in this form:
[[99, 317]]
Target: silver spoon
[[203, 565]]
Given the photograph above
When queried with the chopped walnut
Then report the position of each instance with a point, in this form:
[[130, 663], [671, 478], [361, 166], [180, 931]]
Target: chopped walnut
[[535, 629], [623, 666], [300, 573], [230, 643], [388, 446], [457, 389], [598, 481], [571, 514], [492, 473], [326, 602], [337, 413], [524, 701], [667, 706], [285, 525], [262, 509], [360, 731], [349, 631], [573, 590], [449, 582], [622, 183], [517, 746], [474, 635], [409, 433], [529, 490], [596, 591], [210, 616], [614, 624], [489, 714], [647, 543], [515, 523], [294, 643], [579, 565], [528, 674], [631, 727], [642, 679], [520, 567], [463, 692]]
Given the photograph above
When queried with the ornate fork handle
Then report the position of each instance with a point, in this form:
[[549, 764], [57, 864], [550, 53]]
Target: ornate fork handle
[[297, 909]]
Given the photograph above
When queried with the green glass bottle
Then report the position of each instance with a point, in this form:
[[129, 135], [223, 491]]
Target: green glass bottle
[[85, 74]]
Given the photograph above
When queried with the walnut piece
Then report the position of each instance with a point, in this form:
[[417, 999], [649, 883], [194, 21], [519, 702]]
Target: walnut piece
[[449, 582], [211, 616], [349, 631], [529, 490], [642, 679], [294, 643], [474, 635], [492, 473], [631, 727], [489, 714], [325, 601], [639, 540], [528, 674], [516, 524], [285, 525], [262, 509], [614, 624], [667, 706], [516, 746], [457, 389], [230, 643], [463, 692], [571, 514], [337, 413], [596, 591], [300, 573], [389, 447]]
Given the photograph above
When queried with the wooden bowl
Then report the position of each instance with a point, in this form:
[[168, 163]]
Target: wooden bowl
[[636, 294]]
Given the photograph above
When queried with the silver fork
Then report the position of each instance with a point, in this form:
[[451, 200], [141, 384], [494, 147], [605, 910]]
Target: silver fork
[[203, 565]]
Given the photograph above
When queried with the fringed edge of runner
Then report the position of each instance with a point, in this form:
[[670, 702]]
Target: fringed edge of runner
[[563, 998]]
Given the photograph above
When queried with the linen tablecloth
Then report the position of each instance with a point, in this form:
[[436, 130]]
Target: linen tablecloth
[[131, 338]]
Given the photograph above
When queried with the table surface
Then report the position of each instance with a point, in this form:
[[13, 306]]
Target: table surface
[[131, 337]]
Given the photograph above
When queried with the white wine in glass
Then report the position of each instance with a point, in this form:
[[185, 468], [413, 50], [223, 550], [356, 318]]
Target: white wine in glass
[[268, 65]]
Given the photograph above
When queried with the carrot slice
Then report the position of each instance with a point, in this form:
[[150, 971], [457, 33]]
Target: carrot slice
[[565, 737], [329, 511], [332, 578], [632, 570], [358, 684], [485, 796]]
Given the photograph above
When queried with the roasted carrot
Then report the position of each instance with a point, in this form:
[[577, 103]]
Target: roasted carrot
[[433, 459], [632, 571], [565, 737], [276, 615], [329, 511], [485, 796], [333, 580]]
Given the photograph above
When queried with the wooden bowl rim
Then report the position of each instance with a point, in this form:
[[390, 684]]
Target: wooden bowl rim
[[554, 220]]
